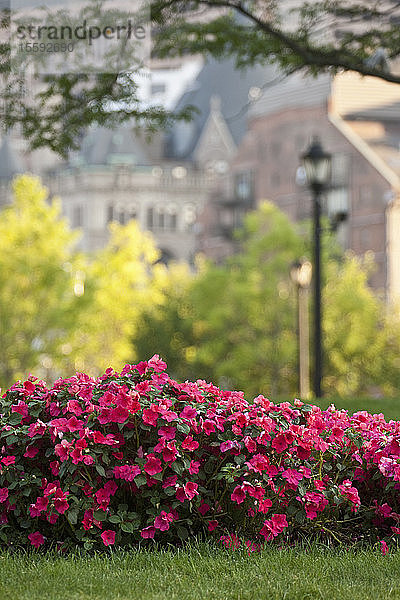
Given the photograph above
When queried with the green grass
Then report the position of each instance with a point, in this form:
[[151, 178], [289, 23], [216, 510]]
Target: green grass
[[203, 573], [390, 407]]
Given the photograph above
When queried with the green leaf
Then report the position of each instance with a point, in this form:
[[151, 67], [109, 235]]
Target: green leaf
[[127, 527], [140, 480], [72, 516], [182, 532], [114, 519], [15, 418], [11, 439], [99, 515], [100, 470], [183, 428]]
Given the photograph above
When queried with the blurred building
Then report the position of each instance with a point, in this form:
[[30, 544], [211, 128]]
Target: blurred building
[[357, 120], [164, 182]]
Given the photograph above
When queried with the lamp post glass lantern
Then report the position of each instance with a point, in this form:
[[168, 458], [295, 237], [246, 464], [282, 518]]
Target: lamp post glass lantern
[[317, 165]]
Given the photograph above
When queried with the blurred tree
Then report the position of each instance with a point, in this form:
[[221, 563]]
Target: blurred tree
[[123, 281], [235, 324], [38, 270], [166, 327], [361, 335], [325, 35]]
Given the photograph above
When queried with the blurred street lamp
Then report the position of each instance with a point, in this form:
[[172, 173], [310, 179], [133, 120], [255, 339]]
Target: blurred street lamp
[[300, 274], [317, 165]]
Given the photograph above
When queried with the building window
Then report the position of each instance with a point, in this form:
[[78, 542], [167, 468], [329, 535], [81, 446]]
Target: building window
[[150, 218], [121, 215], [160, 218], [244, 187], [110, 213], [133, 212], [173, 221], [77, 216]]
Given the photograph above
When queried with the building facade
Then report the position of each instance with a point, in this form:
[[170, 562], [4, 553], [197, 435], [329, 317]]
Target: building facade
[[357, 121]]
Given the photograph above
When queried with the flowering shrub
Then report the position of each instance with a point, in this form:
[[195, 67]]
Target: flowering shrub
[[136, 456]]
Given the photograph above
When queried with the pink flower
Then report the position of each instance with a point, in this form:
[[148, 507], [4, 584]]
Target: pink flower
[[292, 476], [103, 498], [273, 526], [41, 503], [108, 537], [163, 520], [238, 495], [250, 444], [148, 532], [191, 490], [384, 547], [54, 467], [314, 503], [60, 503], [157, 364], [194, 467], [3, 494], [29, 387], [169, 452], [188, 492], [189, 444], [36, 428], [87, 521], [8, 460], [203, 508], [75, 407], [170, 481], [153, 465], [258, 463], [20, 408], [208, 427], [150, 416], [110, 487], [36, 539], [228, 445], [118, 415], [188, 413], [127, 472], [212, 525], [167, 432], [279, 443], [264, 505], [351, 493]]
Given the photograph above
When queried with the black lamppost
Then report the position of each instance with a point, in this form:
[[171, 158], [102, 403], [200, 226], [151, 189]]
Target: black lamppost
[[317, 165]]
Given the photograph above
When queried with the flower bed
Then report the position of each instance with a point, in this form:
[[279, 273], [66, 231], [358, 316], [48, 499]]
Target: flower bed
[[136, 456]]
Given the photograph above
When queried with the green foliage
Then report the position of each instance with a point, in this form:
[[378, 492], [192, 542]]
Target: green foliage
[[256, 32], [236, 323], [245, 309], [354, 328], [122, 280], [329, 35], [61, 310], [37, 274]]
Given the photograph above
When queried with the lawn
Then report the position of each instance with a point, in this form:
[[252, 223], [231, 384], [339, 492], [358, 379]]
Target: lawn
[[203, 573]]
